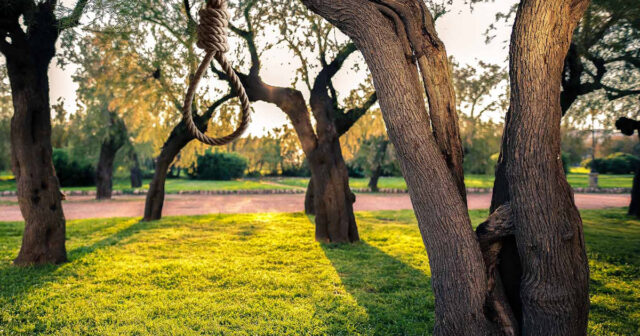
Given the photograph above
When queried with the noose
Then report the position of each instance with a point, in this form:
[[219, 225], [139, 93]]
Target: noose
[[212, 37]]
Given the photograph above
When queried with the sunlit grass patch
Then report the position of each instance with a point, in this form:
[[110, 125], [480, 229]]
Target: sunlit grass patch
[[262, 274]]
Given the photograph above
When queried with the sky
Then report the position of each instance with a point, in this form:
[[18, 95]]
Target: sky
[[462, 31]]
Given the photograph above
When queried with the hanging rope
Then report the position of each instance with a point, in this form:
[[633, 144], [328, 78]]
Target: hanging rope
[[212, 37]]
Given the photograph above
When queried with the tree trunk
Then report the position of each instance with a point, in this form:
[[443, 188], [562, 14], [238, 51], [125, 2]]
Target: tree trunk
[[115, 139], [104, 171], [333, 200], [458, 275], [135, 172], [38, 188], [375, 176], [552, 288], [309, 207], [379, 159], [634, 206], [155, 196]]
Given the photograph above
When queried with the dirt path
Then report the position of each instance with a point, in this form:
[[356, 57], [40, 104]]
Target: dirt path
[[133, 206]]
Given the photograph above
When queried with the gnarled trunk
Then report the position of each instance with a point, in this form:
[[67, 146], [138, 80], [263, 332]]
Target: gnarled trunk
[[458, 275], [38, 188], [155, 196], [333, 200], [550, 296]]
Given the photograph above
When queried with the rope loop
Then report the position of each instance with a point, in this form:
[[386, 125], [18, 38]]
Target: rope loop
[[212, 37]]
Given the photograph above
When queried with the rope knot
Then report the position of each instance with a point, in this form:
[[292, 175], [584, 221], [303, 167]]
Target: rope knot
[[212, 29]]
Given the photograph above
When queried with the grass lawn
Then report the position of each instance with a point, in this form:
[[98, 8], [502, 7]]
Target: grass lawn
[[472, 181], [577, 180], [263, 274], [174, 185]]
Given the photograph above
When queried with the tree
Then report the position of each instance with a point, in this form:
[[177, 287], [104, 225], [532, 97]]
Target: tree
[[377, 157], [628, 127], [543, 260], [480, 90], [28, 52], [163, 36], [6, 110], [554, 301], [396, 39], [332, 197], [109, 88], [601, 56]]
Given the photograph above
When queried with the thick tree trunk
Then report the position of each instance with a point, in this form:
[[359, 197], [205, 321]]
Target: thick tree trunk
[[333, 200], [135, 172], [548, 241], [458, 275], [38, 188], [155, 196], [309, 202]]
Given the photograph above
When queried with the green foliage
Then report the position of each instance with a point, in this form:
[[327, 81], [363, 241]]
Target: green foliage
[[301, 170], [262, 274], [574, 148], [6, 111], [480, 142], [565, 163], [219, 166], [616, 163], [376, 152], [71, 172]]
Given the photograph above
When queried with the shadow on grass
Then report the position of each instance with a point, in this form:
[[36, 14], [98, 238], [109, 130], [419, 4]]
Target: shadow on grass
[[397, 297], [15, 281]]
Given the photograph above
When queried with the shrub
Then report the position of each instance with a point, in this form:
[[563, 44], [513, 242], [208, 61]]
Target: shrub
[[219, 166], [616, 163], [72, 173], [301, 170], [355, 170]]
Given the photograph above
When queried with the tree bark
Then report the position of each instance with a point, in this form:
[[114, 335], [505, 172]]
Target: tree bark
[[135, 171], [309, 207], [458, 275], [333, 200], [39, 196], [634, 206], [115, 139], [104, 171], [155, 196], [550, 295], [373, 180]]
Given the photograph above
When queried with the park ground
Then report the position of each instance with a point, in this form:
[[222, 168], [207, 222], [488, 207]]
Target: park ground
[[263, 274]]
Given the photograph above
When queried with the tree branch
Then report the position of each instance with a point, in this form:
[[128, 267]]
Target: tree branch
[[330, 70], [344, 121], [212, 108], [74, 18]]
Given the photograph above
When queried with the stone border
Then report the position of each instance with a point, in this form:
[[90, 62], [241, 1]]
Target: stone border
[[300, 191]]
